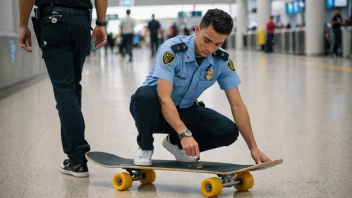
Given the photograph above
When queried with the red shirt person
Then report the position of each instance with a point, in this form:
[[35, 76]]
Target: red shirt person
[[270, 29]]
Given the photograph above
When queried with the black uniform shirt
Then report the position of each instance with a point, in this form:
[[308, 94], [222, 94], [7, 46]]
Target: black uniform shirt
[[337, 18], [153, 26], [66, 3]]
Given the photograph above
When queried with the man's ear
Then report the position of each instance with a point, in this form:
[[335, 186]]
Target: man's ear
[[197, 30]]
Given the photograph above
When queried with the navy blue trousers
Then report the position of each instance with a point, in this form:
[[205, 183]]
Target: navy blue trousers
[[210, 129]]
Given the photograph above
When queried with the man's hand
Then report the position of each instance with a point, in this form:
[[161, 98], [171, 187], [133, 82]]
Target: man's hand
[[25, 38], [99, 36], [259, 157], [190, 146]]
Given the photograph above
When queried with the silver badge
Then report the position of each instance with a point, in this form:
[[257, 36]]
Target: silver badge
[[54, 20]]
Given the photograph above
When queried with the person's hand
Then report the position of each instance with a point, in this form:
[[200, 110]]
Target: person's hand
[[259, 157], [99, 36], [190, 146], [25, 38]]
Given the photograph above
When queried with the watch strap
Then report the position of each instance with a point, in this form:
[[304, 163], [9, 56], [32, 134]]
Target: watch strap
[[100, 23]]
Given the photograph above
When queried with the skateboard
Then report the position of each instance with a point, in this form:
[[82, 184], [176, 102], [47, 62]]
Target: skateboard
[[228, 175]]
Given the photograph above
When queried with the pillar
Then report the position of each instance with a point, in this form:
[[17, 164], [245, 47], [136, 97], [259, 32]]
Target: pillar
[[264, 12], [242, 22], [314, 41]]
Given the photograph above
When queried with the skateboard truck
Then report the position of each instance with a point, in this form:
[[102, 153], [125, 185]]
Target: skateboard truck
[[228, 180], [136, 174]]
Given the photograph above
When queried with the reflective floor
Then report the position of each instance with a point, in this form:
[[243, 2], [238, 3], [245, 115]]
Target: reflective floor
[[300, 109]]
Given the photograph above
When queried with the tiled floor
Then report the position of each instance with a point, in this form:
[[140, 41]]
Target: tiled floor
[[300, 108]]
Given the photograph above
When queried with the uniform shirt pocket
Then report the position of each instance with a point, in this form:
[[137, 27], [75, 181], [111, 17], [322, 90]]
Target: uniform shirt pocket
[[179, 82]]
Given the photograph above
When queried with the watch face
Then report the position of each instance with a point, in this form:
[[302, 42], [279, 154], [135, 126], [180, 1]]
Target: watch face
[[188, 133]]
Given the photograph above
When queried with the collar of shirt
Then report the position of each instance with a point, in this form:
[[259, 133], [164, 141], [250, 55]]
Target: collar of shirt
[[190, 55]]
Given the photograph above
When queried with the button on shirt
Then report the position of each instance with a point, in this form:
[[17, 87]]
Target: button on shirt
[[189, 79]]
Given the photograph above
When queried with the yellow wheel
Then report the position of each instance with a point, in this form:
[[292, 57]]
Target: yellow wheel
[[211, 187], [122, 181], [149, 176], [246, 181]]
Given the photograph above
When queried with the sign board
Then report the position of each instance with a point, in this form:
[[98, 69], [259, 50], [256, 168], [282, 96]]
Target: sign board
[[112, 16]]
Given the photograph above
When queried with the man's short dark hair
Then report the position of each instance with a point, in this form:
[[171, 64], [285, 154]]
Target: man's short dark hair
[[128, 12], [220, 20]]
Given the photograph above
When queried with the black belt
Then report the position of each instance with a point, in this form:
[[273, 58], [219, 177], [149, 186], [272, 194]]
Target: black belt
[[50, 9], [195, 103]]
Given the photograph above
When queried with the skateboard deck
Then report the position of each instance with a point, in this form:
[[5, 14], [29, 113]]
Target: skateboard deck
[[236, 175], [108, 160]]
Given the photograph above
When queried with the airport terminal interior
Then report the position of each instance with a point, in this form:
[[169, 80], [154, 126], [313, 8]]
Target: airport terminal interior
[[296, 82]]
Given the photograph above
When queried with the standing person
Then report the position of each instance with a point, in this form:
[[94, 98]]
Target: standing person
[[154, 28], [127, 25], [63, 32], [110, 43], [270, 29], [173, 30], [336, 23]]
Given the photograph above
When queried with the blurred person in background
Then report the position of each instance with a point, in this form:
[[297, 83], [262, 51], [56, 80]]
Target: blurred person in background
[[154, 30], [336, 23], [127, 26], [270, 30]]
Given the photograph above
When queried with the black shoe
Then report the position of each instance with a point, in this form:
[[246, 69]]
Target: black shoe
[[80, 170]]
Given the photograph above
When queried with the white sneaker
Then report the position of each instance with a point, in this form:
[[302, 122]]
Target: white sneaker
[[143, 157], [179, 154]]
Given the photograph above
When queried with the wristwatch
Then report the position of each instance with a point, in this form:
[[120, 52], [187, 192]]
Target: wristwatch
[[100, 23], [186, 133]]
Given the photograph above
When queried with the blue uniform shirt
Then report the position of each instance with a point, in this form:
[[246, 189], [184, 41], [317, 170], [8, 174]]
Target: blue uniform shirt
[[175, 61]]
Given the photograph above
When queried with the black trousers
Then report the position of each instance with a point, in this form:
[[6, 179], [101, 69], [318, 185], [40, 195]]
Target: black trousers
[[127, 43], [269, 42], [337, 40], [154, 44], [65, 43], [210, 129]]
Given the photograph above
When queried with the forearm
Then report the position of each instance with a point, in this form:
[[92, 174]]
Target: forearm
[[170, 113], [101, 6], [25, 10], [243, 124]]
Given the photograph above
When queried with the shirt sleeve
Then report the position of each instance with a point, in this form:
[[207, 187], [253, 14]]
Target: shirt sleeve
[[165, 64], [228, 79]]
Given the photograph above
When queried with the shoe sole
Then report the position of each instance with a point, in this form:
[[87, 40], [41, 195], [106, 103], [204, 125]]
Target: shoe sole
[[80, 175], [142, 163]]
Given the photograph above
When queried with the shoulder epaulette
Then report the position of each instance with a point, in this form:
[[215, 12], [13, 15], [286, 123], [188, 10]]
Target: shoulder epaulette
[[221, 54], [179, 47]]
